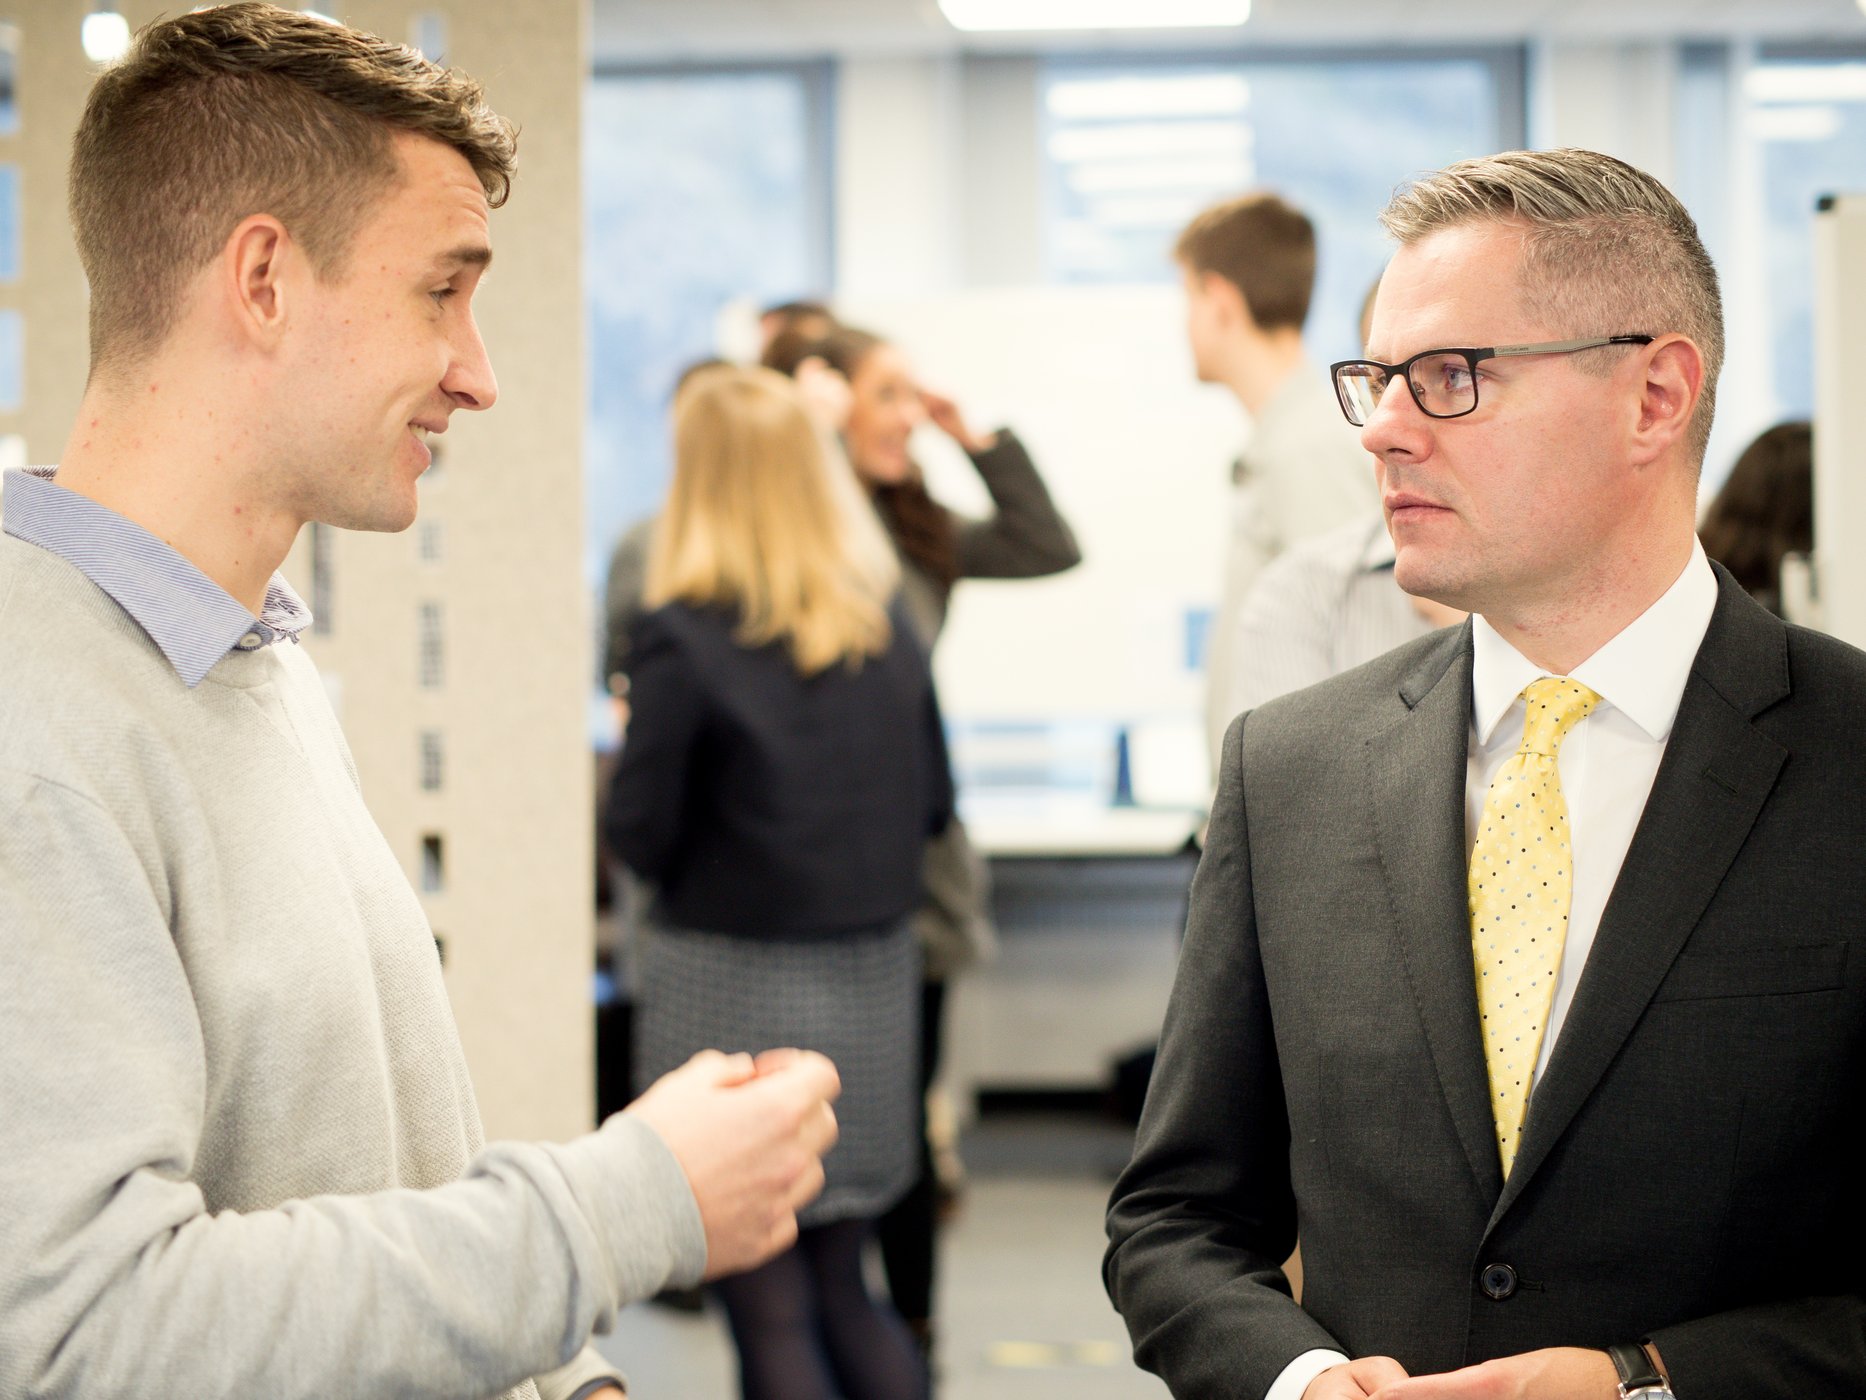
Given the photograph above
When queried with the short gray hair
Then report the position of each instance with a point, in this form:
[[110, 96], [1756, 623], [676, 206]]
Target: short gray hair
[[1607, 249]]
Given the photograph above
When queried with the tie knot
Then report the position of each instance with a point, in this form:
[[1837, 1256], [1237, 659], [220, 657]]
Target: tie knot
[[1555, 704]]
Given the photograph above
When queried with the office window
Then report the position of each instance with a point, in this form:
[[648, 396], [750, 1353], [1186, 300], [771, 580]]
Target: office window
[[728, 200], [1134, 149], [427, 32], [12, 361], [1807, 119], [433, 760], [9, 223], [431, 648], [9, 78], [433, 863], [431, 537]]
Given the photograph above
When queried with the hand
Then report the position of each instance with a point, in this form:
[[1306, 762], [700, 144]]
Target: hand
[[944, 415], [1356, 1380], [1557, 1373], [750, 1136], [826, 394]]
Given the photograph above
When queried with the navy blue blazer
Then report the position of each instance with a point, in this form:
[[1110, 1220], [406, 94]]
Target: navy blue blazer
[[770, 804]]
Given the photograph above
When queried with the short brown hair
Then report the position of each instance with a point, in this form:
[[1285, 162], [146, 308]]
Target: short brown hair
[[246, 109], [1607, 249], [1263, 246]]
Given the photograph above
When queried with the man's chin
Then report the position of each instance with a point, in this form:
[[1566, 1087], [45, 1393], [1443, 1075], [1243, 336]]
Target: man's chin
[[1424, 578]]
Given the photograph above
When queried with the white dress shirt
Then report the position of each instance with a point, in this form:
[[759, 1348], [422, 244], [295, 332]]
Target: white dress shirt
[[1607, 764]]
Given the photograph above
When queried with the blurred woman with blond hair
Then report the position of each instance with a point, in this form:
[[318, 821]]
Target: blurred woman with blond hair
[[783, 767]]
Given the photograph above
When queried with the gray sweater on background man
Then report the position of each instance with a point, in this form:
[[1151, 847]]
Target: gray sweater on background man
[[239, 1152]]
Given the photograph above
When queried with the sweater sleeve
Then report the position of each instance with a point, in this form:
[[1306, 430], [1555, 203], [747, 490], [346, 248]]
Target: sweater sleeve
[[1026, 535], [120, 1281]]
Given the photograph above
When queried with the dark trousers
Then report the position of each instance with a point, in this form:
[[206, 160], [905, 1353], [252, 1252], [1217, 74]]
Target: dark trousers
[[906, 1232]]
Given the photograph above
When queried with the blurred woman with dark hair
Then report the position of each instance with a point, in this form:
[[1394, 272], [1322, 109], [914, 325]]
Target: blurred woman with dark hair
[[1764, 511], [1024, 537]]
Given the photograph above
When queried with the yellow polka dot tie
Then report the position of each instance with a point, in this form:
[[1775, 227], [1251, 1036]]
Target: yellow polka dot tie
[[1521, 883]]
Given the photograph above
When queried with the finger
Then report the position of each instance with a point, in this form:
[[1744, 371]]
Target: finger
[[807, 1071], [716, 1067], [772, 1061], [808, 1185], [1373, 1372], [819, 1130], [782, 1237]]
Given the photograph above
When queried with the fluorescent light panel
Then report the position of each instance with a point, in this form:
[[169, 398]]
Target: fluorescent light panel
[[1094, 14], [1200, 95], [1149, 141], [1807, 82]]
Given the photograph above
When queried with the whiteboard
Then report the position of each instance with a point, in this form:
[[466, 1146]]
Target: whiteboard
[[1098, 382]]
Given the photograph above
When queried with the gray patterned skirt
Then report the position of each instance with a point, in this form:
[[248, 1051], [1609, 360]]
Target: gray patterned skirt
[[853, 998]]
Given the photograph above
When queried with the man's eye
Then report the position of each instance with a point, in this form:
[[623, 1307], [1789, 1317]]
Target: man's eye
[[442, 294]]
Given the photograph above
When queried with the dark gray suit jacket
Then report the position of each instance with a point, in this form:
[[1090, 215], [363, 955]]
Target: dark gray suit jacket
[[1692, 1165]]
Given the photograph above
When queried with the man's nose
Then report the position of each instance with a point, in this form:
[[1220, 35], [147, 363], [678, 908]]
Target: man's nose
[[1395, 416], [469, 381]]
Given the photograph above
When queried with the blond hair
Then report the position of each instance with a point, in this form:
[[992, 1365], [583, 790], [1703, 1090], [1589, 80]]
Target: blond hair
[[1607, 250], [763, 518], [1262, 245], [248, 109]]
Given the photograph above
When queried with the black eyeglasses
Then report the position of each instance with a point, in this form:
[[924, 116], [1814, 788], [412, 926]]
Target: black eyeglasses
[[1443, 382]]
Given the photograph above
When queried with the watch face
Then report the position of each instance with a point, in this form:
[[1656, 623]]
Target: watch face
[[1648, 1392]]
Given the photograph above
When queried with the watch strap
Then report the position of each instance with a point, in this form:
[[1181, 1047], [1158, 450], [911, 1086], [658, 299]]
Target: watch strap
[[1636, 1370]]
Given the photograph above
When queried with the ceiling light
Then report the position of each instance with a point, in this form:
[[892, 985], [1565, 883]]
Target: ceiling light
[[1187, 95], [1095, 14], [105, 36]]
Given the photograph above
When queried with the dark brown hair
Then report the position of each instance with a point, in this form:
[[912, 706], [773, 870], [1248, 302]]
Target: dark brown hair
[[1765, 510], [922, 528], [1264, 247], [246, 109]]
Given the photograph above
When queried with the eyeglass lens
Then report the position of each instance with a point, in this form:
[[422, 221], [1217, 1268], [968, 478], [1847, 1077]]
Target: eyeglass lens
[[1443, 385]]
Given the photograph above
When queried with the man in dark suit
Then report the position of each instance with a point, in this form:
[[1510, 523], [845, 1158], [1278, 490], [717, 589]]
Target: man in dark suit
[[1525, 975]]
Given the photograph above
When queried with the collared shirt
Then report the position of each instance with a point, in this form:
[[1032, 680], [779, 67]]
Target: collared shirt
[[1323, 607], [1302, 473], [192, 619], [1608, 761]]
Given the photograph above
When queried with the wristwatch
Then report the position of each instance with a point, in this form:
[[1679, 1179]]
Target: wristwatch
[[1640, 1378]]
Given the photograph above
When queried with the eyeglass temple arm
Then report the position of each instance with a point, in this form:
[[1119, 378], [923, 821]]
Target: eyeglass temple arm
[[1557, 347]]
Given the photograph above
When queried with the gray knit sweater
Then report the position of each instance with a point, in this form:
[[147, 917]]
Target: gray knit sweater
[[239, 1153]]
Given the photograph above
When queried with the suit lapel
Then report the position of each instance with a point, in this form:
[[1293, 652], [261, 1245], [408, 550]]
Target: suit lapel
[[1717, 772], [1416, 771]]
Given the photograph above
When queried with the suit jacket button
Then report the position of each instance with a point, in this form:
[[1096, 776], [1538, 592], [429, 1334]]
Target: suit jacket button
[[1498, 1281]]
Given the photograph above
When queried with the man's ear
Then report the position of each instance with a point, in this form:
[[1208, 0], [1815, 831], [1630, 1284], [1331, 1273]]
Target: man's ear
[[1672, 384], [260, 264], [1225, 298]]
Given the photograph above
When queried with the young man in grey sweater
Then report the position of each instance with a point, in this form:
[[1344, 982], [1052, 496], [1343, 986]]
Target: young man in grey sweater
[[239, 1153]]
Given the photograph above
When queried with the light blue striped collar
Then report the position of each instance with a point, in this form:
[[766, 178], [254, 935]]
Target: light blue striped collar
[[192, 619]]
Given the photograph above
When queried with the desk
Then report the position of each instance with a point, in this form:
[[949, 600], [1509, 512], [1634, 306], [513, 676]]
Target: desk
[[1090, 907]]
